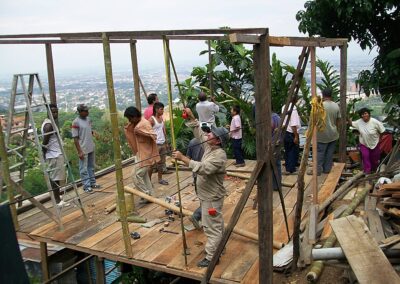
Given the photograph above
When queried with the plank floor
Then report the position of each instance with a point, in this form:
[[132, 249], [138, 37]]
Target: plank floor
[[101, 234]]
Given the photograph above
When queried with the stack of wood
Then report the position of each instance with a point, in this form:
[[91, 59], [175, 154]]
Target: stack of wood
[[389, 198]]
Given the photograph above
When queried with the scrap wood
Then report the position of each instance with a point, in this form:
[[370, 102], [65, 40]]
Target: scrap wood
[[110, 208], [390, 186], [366, 259], [389, 241]]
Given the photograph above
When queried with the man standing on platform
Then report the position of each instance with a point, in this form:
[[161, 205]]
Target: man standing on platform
[[83, 138], [142, 140], [327, 138], [291, 139], [206, 111], [210, 178], [151, 99], [53, 155]]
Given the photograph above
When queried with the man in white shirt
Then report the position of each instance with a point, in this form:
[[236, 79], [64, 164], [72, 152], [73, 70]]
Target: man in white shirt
[[206, 110], [291, 139]]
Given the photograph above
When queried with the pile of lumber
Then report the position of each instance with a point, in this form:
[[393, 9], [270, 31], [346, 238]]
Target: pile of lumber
[[389, 198]]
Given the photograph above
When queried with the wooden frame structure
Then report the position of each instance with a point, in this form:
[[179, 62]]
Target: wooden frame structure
[[261, 41]]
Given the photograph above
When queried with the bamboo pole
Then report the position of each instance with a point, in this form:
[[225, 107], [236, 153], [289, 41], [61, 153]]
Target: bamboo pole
[[7, 178], [318, 266], [135, 70], [314, 181], [185, 212], [343, 103], [210, 70], [167, 59], [117, 144], [44, 261]]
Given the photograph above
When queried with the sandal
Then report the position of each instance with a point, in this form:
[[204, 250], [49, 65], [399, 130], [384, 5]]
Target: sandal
[[163, 182]]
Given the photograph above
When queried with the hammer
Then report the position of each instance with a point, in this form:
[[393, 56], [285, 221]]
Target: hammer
[[167, 231]]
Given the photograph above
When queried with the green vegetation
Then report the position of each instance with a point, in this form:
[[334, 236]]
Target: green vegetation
[[372, 24]]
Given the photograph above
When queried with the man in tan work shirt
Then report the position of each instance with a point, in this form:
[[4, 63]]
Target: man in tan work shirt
[[142, 140], [210, 178]]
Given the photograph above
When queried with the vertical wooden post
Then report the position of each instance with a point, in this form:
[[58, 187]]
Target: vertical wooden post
[[50, 74], [44, 261], [343, 103], [314, 181], [264, 152], [135, 70], [100, 274], [117, 143], [7, 178]]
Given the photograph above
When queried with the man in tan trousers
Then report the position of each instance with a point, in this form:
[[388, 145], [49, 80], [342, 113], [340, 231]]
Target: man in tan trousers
[[210, 178], [142, 140]]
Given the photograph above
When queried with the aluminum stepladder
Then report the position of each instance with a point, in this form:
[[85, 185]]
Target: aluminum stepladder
[[32, 98]]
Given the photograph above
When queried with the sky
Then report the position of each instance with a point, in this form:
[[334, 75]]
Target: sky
[[57, 16]]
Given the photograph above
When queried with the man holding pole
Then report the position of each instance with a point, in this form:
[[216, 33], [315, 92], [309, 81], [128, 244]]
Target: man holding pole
[[210, 177], [142, 140]]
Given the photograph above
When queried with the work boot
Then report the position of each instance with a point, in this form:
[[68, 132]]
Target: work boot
[[205, 262]]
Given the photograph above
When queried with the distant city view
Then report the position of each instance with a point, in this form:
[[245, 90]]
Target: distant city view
[[90, 88]]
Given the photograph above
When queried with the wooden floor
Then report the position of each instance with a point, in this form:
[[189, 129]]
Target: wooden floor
[[101, 234]]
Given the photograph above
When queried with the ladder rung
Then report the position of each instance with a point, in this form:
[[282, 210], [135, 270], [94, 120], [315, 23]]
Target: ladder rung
[[16, 181], [16, 149], [16, 165], [18, 130], [18, 94]]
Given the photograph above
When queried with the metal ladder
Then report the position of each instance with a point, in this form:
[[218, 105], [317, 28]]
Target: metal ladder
[[25, 99]]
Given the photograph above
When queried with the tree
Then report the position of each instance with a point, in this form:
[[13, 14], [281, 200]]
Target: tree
[[371, 24]]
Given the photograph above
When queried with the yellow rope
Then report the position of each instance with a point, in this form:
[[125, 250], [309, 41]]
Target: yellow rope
[[317, 115]]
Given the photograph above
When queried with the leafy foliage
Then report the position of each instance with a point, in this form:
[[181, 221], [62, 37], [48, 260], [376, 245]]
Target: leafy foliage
[[372, 24]]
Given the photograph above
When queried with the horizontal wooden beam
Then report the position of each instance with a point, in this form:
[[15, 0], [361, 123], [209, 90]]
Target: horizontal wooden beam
[[243, 38], [306, 41], [133, 34]]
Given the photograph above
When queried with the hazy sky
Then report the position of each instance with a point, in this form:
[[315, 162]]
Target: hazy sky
[[46, 16]]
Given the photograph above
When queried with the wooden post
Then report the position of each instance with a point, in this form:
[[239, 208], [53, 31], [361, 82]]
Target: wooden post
[[7, 178], [314, 181], [343, 103], [135, 70], [44, 261], [100, 275], [117, 143], [50, 74], [264, 153]]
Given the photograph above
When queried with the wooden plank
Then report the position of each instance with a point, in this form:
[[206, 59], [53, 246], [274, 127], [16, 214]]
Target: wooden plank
[[331, 182], [366, 259], [304, 41], [242, 38], [99, 236]]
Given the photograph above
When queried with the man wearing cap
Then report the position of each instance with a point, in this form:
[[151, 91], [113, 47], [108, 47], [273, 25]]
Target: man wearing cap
[[83, 139], [210, 178]]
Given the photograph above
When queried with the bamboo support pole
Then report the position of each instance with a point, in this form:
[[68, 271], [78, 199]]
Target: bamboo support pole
[[314, 181], [7, 178], [210, 70], [185, 212], [135, 71], [343, 103], [167, 59], [117, 144], [318, 266]]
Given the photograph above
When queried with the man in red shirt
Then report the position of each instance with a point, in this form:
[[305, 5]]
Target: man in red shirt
[[151, 99]]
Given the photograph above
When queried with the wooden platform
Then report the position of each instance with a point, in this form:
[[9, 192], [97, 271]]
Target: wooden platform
[[101, 234]]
